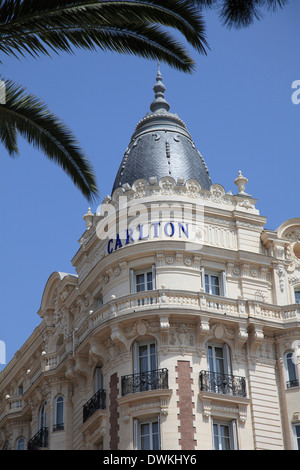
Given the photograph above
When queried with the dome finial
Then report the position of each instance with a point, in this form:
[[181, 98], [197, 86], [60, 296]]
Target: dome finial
[[159, 88]]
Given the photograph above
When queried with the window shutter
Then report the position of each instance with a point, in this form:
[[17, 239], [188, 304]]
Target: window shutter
[[136, 434], [203, 279], [224, 283], [227, 359], [159, 433], [132, 286], [234, 435], [153, 277], [98, 379], [135, 351]]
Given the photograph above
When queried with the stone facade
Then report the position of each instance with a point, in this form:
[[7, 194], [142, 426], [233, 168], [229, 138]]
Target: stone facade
[[179, 331]]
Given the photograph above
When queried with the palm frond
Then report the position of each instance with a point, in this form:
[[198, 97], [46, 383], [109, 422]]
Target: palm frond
[[25, 114], [240, 13], [35, 27]]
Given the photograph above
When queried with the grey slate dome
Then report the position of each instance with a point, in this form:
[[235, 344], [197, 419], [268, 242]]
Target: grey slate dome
[[161, 146]]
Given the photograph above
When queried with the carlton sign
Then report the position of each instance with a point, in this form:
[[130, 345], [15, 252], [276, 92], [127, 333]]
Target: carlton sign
[[154, 231], [136, 222]]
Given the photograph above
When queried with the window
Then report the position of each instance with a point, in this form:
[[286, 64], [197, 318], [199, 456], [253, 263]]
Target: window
[[219, 358], [98, 300], [59, 414], [147, 435], [224, 435], [142, 281], [297, 436], [42, 416], [20, 444], [145, 358], [98, 379], [146, 376], [291, 371], [297, 296], [214, 283], [219, 370]]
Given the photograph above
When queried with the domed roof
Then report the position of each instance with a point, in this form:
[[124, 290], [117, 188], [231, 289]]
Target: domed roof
[[161, 146]]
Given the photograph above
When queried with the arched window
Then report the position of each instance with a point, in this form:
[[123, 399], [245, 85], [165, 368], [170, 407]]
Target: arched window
[[20, 443], [291, 371], [59, 414]]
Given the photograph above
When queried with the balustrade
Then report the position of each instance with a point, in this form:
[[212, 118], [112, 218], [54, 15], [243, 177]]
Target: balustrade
[[97, 402], [222, 383], [143, 381]]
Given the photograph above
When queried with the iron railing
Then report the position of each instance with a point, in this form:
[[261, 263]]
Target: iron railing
[[222, 383], [40, 439], [292, 383], [97, 402], [58, 427], [143, 381]]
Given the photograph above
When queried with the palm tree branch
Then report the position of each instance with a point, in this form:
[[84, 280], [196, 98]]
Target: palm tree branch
[[144, 40], [30, 117], [83, 13], [240, 13]]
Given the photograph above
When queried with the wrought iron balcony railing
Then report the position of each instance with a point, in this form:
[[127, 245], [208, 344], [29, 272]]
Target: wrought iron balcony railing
[[40, 439], [292, 383], [97, 402], [143, 381], [58, 427], [222, 383]]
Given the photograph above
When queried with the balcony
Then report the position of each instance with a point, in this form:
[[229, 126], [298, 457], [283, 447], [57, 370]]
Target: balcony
[[292, 383], [145, 381], [222, 383], [39, 440], [97, 402]]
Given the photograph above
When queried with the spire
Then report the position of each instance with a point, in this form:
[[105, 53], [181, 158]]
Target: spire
[[159, 88]]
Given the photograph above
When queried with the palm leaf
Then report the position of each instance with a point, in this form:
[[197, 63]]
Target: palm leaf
[[240, 13], [37, 27], [25, 114]]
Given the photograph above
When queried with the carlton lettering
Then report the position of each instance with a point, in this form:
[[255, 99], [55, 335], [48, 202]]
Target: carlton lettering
[[148, 232]]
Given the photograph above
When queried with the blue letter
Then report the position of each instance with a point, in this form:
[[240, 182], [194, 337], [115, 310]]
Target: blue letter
[[172, 229], [141, 233], [129, 235], [118, 242], [156, 224], [109, 249], [185, 230]]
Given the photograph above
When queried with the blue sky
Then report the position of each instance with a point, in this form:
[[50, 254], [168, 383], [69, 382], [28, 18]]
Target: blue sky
[[237, 106]]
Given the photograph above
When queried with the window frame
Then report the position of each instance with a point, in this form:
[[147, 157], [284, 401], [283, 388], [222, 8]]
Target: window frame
[[232, 437], [98, 379], [137, 272], [297, 291], [42, 415], [18, 443], [296, 429], [59, 401], [221, 275], [136, 355], [226, 357], [138, 423], [288, 363]]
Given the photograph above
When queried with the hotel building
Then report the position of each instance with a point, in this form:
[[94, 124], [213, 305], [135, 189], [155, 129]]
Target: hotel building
[[181, 327]]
